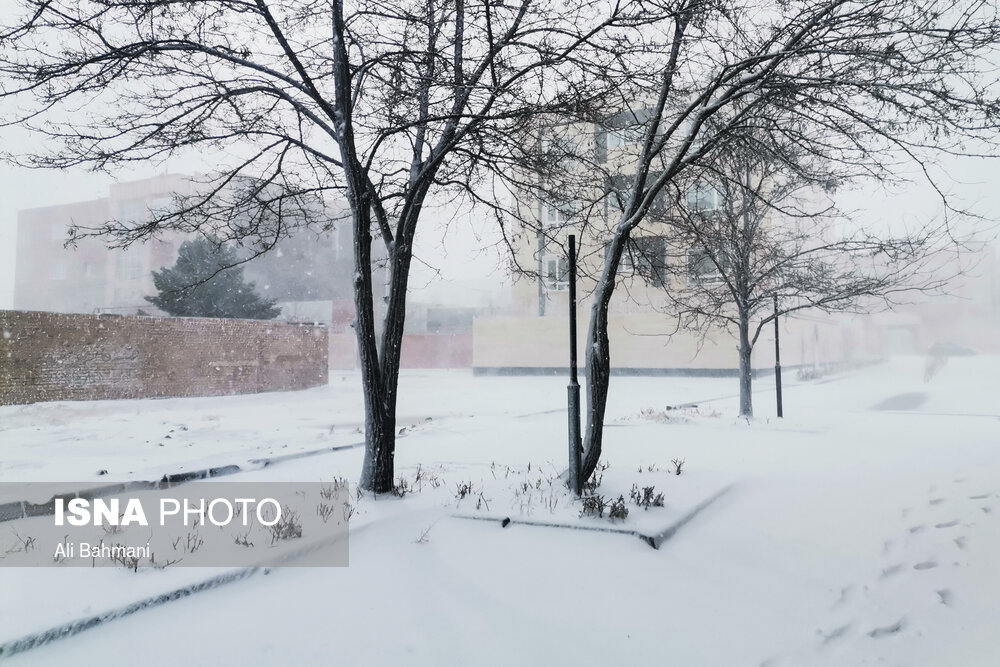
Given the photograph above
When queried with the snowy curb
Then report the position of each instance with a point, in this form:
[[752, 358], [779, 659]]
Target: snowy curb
[[263, 463], [23, 509], [654, 540], [36, 639]]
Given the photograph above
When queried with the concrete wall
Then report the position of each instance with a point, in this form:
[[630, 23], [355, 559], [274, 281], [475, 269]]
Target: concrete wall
[[51, 356], [438, 350], [343, 351], [640, 342], [444, 350]]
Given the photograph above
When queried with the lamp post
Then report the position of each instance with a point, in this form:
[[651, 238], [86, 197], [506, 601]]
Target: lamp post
[[777, 358], [573, 389]]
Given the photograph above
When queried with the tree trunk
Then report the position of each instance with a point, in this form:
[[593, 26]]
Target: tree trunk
[[377, 469], [380, 441], [380, 373], [380, 364], [746, 370], [598, 369]]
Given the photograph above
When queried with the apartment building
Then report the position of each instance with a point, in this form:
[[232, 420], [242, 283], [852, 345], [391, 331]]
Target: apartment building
[[643, 328]]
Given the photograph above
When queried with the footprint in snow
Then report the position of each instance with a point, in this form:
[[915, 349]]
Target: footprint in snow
[[917, 529], [936, 501], [836, 633], [878, 633], [947, 524], [926, 565], [960, 542], [891, 570], [986, 510], [945, 596], [981, 496], [845, 594]]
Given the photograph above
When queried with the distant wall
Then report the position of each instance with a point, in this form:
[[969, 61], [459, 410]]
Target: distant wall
[[644, 342], [440, 350], [343, 351], [50, 356]]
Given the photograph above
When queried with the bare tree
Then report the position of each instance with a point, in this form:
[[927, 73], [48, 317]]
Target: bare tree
[[860, 89], [383, 102], [752, 243]]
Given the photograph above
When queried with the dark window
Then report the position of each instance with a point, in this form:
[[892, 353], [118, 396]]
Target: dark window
[[556, 270], [646, 257], [600, 145], [703, 198], [701, 268], [619, 190]]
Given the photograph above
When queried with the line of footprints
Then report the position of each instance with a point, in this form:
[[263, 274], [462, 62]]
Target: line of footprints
[[963, 512]]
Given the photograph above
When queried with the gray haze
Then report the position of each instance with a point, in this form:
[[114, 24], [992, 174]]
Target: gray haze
[[451, 268]]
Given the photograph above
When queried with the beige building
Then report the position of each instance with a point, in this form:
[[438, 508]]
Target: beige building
[[643, 332]]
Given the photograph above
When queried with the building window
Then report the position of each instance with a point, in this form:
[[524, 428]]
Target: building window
[[619, 190], [646, 257], [703, 197], [556, 272], [557, 215], [600, 144], [701, 269], [606, 139], [625, 128], [623, 137]]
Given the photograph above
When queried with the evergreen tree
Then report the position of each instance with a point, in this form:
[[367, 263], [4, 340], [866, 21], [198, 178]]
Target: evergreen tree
[[199, 285]]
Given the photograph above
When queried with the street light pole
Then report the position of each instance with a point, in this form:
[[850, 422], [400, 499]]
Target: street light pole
[[777, 358], [573, 389]]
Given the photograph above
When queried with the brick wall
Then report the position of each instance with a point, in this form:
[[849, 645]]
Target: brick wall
[[51, 356]]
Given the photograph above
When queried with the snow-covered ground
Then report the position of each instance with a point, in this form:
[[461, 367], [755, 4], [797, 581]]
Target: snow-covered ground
[[860, 529]]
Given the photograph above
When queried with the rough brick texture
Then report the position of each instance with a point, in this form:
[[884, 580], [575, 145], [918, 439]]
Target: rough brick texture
[[51, 356]]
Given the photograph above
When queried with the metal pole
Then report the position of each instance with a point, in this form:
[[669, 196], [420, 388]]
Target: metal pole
[[573, 389], [541, 269], [777, 358]]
